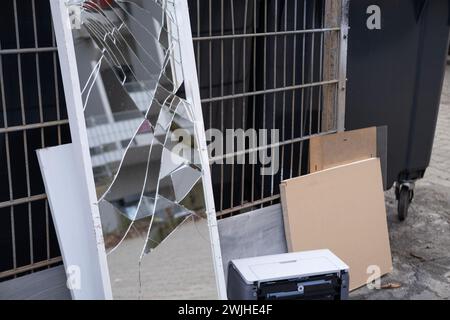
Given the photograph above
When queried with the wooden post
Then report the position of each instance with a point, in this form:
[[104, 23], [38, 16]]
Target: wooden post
[[333, 9]]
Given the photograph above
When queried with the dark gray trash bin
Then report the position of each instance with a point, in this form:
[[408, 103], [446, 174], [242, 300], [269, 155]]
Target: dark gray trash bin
[[395, 78]]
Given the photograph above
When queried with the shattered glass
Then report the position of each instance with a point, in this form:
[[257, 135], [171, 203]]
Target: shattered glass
[[144, 149]]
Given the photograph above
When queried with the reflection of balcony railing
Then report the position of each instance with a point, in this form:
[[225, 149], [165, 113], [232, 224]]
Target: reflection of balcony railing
[[140, 98], [108, 140]]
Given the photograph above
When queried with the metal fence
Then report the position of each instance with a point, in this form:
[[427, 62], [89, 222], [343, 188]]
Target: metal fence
[[268, 65], [33, 117], [262, 64]]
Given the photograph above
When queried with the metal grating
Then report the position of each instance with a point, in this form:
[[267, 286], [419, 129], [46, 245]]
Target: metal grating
[[33, 116], [265, 65], [262, 64]]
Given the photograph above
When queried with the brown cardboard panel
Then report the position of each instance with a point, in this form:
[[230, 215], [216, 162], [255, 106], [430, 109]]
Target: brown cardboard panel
[[341, 148], [341, 209]]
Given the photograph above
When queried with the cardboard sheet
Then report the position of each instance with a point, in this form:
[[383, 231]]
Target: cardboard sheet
[[341, 209], [346, 147], [341, 148]]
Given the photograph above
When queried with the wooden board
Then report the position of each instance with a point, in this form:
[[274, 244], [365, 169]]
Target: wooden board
[[341, 148], [341, 209]]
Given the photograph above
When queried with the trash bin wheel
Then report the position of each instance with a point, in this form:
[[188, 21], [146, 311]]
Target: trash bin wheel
[[405, 195]]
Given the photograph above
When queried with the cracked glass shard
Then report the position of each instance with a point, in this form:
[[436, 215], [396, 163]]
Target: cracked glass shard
[[183, 179], [144, 148]]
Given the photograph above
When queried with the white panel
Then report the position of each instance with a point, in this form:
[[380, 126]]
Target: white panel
[[72, 219]]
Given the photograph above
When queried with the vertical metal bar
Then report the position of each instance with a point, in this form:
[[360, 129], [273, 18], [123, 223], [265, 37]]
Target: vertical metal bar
[[302, 113], [244, 109], [284, 92], [233, 92], [24, 133], [13, 237], [19, 62], [198, 42], [254, 98], [322, 35], [264, 85], [221, 102], [41, 113], [343, 66], [274, 97], [303, 69], [294, 76], [8, 165], [41, 118], [47, 229], [311, 91], [38, 72]]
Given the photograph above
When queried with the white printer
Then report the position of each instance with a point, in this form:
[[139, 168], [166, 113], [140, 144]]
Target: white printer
[[308, 275]]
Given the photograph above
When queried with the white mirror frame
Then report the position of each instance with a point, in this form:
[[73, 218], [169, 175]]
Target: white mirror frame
[[101, 288]]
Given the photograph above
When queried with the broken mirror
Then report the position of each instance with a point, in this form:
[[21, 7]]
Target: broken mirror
[[144, 149]]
